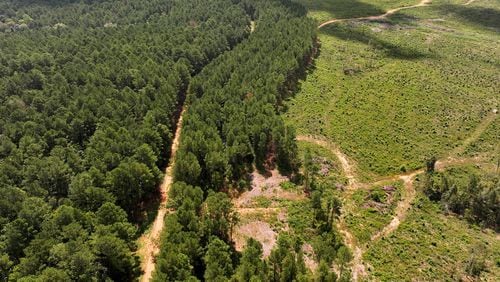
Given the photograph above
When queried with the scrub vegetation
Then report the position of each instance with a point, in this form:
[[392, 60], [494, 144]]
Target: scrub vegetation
[[394, 95], [391, 93], [301, 140]]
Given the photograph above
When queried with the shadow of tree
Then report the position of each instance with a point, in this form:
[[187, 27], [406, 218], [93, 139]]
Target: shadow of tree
[[485, 17], [392, 50], [342, 8]]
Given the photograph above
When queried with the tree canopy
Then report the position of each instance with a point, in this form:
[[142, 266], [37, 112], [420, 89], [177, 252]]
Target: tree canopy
[[90, 93]]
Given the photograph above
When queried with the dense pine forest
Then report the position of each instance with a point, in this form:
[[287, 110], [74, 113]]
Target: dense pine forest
[[232, 126], [249, 140], [90, 95], [90, 92]]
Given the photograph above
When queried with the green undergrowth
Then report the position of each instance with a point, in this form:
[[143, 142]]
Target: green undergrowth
[[374, 209], [430, 246], [328, 169], [392, 93], [271, 217], [300, 219], [460, 174], [487, 144]]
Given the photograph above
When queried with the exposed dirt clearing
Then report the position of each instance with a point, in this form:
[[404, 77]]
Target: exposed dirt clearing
[[149, 242], [309, 257], [260, 231], [378, 17], [253, 218], [268, 187], [252, 26]]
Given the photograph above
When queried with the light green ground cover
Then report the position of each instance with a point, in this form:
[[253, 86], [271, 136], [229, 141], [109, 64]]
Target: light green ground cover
[[374, 209], [323, 10], [392, 93], [429, 246]]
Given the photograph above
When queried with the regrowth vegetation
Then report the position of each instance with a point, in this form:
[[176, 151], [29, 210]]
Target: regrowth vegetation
[[391, 92], [476, 198]]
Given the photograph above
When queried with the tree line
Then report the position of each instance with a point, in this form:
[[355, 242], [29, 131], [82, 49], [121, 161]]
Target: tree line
[[475, 198], [87, 110], [231, 126]]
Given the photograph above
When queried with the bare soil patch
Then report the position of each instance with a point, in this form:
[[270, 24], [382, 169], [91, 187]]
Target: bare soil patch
[[309, 257], [260, 231], [268, 187]]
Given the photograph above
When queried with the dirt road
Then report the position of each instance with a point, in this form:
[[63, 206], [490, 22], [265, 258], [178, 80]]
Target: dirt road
[[149, 243], [409, 193], [346, 164], [377, 17], [403, 206]]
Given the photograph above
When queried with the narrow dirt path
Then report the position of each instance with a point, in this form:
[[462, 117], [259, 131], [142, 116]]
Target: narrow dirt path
[[347, 167], [409, 193], [475, 135], [403, 206], [150, 242], [358, 268], [378, 17], [469, 2]]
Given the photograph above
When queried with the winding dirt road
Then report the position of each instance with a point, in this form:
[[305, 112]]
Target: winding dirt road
[[403, 206], [409, 193], [378, 17], [149, 243], [347, 167], [358, 268]]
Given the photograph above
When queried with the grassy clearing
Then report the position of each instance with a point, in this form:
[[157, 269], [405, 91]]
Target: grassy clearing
[[430, 246], [392, 93], [329, 9], [271, 217], [487, 144], [374, 209]]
